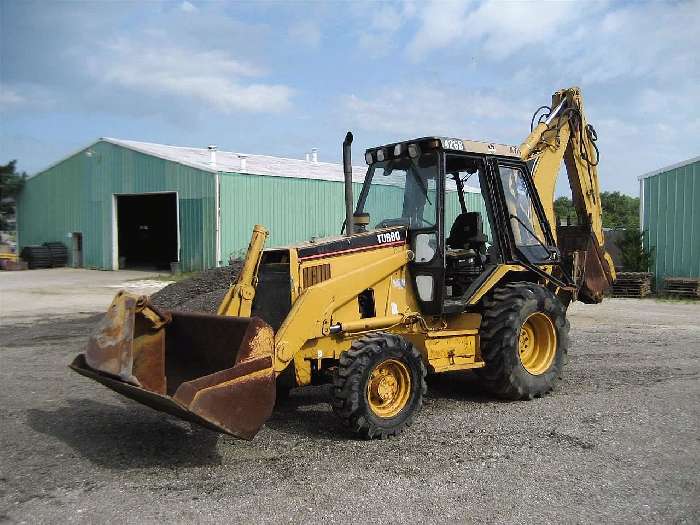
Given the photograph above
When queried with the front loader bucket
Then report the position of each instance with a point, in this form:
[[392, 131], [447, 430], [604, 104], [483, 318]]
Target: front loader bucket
[[213, 370]]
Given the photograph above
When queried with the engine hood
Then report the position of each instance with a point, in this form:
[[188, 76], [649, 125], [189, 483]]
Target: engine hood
[[327, 246]]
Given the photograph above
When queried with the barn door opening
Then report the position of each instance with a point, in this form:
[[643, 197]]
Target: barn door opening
[[147, 231], [77, 249]]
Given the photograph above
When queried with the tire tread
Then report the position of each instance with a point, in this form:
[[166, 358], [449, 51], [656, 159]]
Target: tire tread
[[347, 380]]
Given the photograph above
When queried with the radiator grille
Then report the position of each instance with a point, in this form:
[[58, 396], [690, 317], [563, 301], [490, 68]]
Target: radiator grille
[[316, 274]]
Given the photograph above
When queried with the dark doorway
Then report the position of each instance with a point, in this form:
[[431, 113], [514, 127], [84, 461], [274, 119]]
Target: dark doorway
[[77, 249], [147, 230]]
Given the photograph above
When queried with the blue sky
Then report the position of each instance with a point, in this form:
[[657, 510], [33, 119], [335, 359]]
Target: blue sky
[[282, 77]]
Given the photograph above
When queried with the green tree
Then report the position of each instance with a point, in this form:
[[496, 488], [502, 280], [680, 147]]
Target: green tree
[[11, 183], [563, 209], [619, 211]]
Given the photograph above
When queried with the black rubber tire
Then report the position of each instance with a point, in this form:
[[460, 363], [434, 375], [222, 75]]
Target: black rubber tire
[[352, 375], [505, 311], [36, 256], [58, 254]]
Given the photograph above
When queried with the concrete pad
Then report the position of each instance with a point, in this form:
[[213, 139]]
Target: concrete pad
[[36, 294]]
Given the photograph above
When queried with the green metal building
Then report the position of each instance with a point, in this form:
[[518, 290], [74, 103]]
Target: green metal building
[[120, 203], [670, 218]]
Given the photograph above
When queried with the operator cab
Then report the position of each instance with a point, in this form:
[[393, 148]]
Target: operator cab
[[467, 207]]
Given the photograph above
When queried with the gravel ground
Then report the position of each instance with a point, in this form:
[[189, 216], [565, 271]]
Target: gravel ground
[[617, 442], [202, 292]]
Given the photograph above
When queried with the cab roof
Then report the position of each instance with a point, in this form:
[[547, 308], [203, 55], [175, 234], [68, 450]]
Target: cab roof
[[452, 144]]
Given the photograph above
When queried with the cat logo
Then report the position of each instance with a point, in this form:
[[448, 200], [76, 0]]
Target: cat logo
[[384, 238]]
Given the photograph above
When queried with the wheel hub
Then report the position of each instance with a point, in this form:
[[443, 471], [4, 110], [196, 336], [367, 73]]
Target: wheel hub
[[537, 344], [389, 388]]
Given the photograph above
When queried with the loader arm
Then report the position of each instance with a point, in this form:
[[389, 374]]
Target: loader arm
[[312, 313], [239, 298], [566, 135]]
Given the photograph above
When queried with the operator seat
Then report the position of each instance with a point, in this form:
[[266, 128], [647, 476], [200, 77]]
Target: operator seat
[[467, 232]]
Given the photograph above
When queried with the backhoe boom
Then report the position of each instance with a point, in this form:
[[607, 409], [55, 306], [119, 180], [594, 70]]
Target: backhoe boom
[[566, 135]]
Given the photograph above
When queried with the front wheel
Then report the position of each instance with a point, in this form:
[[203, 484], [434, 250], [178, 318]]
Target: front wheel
[[524, 341], [379, 385]]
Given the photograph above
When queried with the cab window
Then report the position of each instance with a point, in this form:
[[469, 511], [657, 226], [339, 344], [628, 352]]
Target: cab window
[[401, 192]]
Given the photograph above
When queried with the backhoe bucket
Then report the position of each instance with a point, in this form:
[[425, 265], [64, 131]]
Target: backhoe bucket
[[213, 370]]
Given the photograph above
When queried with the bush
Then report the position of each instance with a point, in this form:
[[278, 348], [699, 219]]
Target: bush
[[635, 258]]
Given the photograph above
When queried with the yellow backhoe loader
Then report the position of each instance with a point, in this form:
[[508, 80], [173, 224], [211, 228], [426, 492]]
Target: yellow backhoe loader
[[450, 260]]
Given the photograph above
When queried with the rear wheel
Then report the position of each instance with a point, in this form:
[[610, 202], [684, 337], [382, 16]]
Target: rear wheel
[[379, 385], [524, 341]]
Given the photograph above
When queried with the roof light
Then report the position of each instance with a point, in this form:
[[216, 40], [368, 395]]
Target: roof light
[[397, 150], [368, 157], [413, 150], [381, 154]]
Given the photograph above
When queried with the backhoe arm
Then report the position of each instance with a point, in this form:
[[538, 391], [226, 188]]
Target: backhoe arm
[[566, 135]]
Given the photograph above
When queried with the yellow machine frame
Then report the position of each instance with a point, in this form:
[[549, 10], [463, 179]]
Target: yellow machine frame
[[446, 343], [222, 371]]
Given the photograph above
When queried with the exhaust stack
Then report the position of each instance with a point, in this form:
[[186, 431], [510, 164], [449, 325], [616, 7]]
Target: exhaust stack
[[244, 162], [212, 155], [347, 171]]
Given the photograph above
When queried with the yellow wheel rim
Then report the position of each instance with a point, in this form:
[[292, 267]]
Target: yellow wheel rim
[[537, 345], [388, 388]]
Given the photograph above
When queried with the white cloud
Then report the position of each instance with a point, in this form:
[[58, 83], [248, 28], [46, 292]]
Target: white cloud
[[501, 29], [598, 44], [640, 41], [306, 32], [188, 7], [441, 24], [429, 110], [25, 95], [380, 26], [9, 98], [211, 77]]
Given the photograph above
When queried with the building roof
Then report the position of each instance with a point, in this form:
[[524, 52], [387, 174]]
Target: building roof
[[669, 168], [230, 162]]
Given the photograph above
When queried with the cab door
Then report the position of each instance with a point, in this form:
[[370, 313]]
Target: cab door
[[529, 231], [428, 245]]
